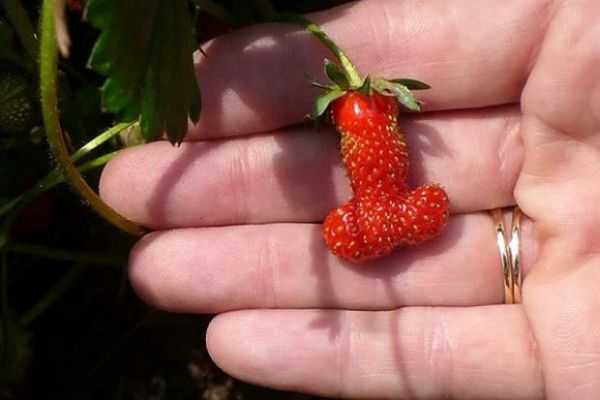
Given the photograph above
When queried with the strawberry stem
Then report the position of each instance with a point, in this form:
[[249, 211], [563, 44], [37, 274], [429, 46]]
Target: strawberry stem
[[49, 102], [350, 70]]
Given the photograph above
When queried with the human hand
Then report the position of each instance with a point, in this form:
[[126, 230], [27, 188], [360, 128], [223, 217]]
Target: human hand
[[513, 118]]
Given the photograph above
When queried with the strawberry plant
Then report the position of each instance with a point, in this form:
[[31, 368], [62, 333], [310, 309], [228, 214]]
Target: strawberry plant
[[126, 76]]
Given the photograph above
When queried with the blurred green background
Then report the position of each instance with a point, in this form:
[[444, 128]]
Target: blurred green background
[[70, 325]]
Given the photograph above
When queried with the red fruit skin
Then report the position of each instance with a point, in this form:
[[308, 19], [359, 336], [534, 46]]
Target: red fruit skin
[[384, 212]]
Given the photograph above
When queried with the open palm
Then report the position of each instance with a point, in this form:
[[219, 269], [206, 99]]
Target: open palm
[[513, 118]]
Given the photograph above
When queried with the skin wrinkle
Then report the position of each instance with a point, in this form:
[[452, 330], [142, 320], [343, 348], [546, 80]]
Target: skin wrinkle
[[595, 103], [383, 42], [547, 139], [387, 39], [436, 345], [566, 336], [547, 10], [301, 56], [272, 261], [508, 152], [345, 354], [534, 355], [258, 161], [240, 181], [567, 40]]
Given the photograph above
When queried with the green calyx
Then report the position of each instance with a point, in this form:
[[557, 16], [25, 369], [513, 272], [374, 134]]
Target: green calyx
[[400, 88], [345, 77]]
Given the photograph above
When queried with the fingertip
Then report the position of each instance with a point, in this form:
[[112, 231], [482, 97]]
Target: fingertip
[[111, 181], [119, 180], [176, 270], [235, 344], [149, 276], [219, 338]]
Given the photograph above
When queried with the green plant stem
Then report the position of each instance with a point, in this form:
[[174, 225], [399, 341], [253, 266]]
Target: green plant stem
[[13, 208], [354, 77], [97, 162], [51, 296], [65, 255], [55, 177], [49, 181], [98, 140], [48, 85], [40, 187], [19, 19]]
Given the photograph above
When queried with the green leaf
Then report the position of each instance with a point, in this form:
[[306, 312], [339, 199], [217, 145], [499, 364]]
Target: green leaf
[[406, 98], [401, 92], [324, 100], [312, 81], [365, 88], [336, 75], [145, 50], [411, 84]]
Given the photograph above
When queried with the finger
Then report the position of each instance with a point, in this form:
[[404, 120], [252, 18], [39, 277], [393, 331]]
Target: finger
[[559, 189], [474, 54], [417, 353], [288, 266], [298, 176]]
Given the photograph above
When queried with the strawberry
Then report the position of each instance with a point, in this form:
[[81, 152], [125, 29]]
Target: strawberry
[[385, 212], [19, 110]]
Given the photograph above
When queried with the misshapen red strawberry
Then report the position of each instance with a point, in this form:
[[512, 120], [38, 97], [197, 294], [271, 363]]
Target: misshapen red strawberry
[[384, 212]]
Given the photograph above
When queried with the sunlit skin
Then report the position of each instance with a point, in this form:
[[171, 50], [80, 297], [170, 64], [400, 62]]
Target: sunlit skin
[[513, 117]]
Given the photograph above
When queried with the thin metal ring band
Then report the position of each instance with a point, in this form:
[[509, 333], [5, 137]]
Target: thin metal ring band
[[515, 249], [505, 255]]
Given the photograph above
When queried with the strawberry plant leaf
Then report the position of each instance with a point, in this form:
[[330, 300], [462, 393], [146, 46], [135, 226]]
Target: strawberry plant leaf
[[405, 97], [145, 50], [323, 100], [411, 84], [336, 75], [401, 92]]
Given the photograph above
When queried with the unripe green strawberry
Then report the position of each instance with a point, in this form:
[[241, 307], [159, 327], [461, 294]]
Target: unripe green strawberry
[[19, 111]]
